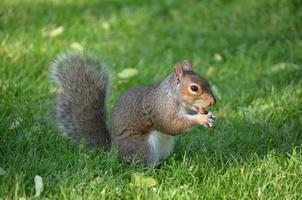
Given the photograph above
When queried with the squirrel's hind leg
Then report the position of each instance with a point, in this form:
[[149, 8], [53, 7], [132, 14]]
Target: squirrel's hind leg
[[134, 149], [150, 149]]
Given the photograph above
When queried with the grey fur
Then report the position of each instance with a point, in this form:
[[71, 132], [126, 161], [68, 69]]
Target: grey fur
[[80, 105], [145, 109]]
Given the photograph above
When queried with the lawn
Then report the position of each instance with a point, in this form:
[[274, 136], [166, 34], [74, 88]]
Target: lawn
[[250, 51]]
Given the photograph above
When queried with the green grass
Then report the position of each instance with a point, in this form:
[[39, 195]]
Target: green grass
[[254, 152]]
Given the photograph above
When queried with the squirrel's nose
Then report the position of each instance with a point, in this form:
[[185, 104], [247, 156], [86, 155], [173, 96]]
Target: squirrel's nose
[[212, 101]]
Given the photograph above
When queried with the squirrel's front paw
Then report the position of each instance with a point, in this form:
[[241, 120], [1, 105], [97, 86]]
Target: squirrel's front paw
[[209, 120]]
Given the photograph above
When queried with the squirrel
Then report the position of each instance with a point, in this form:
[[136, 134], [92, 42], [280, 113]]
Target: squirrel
[[144, 119]]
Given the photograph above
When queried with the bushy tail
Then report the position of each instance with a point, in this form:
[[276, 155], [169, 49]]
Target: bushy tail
[[80, 103]]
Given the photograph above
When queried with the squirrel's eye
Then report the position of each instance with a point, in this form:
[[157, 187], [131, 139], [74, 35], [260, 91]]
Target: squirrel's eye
[[194, 88]]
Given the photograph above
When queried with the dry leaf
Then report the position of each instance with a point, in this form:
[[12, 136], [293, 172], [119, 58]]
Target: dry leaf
[[54, 32], [38, 185], [218, 57], [106, 26], [76, 46], [140, 180], [210, 71], [127, 73]]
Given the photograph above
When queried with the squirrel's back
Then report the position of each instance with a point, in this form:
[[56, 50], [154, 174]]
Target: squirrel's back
[[80, 103]]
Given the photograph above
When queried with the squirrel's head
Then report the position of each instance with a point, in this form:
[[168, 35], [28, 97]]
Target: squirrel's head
[[193, 91]]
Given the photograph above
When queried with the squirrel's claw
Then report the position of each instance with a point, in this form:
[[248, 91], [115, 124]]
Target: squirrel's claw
[[210, 120]]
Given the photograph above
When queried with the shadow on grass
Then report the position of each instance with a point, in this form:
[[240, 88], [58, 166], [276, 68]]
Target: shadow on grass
[[243, 138], [279, 131], [38, 14]]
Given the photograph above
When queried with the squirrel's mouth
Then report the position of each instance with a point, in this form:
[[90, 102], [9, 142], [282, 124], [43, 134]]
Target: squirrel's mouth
[[200, 110], [195, 109]]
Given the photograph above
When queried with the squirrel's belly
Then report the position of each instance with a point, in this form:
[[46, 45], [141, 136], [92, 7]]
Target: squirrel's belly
[[161, 146]]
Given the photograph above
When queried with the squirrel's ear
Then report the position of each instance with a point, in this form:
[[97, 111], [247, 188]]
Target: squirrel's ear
[[187, 65], [178, 72]]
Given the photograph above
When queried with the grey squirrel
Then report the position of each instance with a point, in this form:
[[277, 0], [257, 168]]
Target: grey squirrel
[[144, 119]]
